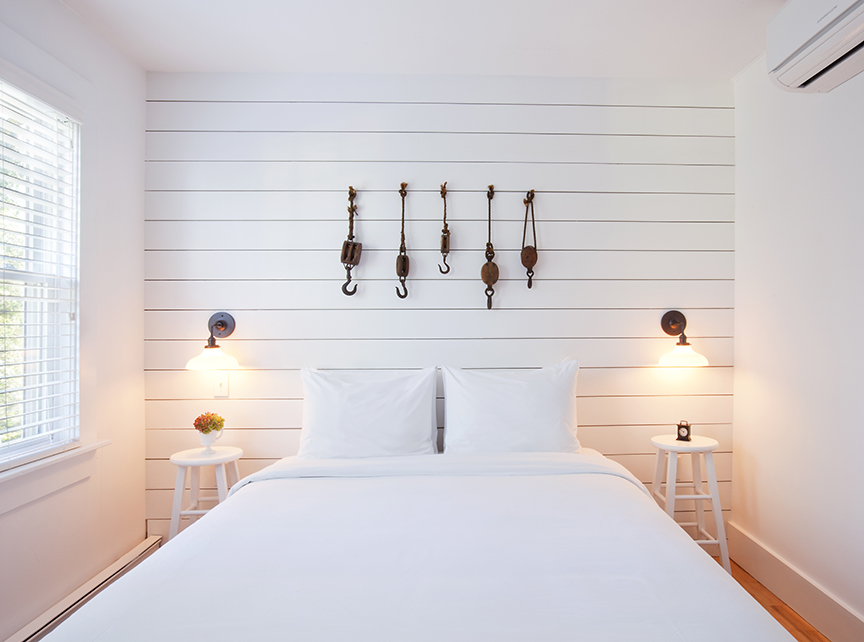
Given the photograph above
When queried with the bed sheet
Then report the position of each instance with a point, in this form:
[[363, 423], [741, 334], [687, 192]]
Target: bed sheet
[[532, 546]]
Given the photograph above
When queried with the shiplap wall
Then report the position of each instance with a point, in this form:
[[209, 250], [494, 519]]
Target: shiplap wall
[[247, 179]]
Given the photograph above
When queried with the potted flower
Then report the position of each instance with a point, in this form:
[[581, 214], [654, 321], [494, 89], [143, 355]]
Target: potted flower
[[209, 426]]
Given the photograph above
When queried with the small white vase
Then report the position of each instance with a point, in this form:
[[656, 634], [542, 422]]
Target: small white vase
[[208, 439]]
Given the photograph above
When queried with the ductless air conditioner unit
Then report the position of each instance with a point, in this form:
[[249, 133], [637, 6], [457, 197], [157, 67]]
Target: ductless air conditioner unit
[[815, 45]]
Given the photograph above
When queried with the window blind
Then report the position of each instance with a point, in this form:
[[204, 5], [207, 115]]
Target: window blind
[[39, 195]]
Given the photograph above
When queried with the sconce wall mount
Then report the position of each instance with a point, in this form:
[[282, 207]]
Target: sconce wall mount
[[221, 325], [673, 324]]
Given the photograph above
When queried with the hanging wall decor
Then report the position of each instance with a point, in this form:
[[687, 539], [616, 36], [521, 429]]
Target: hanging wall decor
[[350, 249], [489, 271], [445, 234], [529, 252], [402, 262]]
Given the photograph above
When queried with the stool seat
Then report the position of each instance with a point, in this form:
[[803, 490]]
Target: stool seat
[[224, 462], [198, 456], [697, 444], [698, 448]]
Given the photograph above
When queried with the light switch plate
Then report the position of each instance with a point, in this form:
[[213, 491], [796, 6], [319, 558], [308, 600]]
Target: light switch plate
[[220, 383]]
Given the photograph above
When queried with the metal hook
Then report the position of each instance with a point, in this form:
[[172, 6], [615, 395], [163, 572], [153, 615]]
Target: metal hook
[[489, 292], [345, 289], [345, 285], [404, 293], [442, 270], [530, 277]]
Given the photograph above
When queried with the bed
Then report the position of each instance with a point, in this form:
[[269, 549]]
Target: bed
[[464, 545]]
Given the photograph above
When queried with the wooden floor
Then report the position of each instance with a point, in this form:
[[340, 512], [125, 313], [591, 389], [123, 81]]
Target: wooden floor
[[791, 621]]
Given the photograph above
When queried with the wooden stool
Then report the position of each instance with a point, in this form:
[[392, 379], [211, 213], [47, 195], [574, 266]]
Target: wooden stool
[[705, 446], [193, 459]]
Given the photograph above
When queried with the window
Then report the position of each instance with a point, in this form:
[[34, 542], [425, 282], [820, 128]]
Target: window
[[39, 194]]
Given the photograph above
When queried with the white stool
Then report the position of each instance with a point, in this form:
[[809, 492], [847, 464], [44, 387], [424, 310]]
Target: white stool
[[193, 459], [705, 446]]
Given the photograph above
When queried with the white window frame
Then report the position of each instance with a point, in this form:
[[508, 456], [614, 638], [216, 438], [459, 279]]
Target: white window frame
[[53, 444]]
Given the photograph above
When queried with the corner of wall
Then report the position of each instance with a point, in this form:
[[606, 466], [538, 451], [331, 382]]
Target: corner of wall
[[830, 615]]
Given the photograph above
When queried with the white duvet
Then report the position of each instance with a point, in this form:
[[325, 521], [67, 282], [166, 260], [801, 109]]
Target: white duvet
[[532, 546]]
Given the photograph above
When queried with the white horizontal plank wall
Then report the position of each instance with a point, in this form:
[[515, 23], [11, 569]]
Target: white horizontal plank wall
[[247, 179]]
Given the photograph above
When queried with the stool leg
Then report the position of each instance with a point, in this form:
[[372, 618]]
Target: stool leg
[[671, 479], [179, 487], [717, 510], [234, 475], [658, 472], [194, 487], [697, 490], [221, 482]]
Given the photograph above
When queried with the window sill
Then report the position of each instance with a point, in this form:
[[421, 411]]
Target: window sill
[[27, 483]]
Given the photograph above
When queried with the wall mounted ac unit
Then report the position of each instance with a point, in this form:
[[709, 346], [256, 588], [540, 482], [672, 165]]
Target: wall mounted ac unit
[[815, 45]]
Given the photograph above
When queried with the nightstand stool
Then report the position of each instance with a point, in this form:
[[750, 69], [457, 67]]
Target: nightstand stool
[[699, 446], [193, 459]]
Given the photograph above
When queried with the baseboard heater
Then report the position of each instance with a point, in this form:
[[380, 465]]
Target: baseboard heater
[[50, 619]]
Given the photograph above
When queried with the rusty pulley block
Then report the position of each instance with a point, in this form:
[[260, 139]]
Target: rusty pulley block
[[529, 252], [402, 262], [489, 271], [445, 234], [351, 249]]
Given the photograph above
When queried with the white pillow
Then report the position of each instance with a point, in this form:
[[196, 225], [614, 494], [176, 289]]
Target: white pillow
[[513, 411], [368, 414]]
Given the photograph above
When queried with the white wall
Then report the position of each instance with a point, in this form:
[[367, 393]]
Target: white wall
[[51, 546], [798, 341], [247, 180]]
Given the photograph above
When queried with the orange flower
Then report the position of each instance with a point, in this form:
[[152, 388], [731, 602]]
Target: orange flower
[[208, 422]]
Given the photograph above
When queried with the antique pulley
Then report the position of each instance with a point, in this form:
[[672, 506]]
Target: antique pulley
[[445, 234], [402, 263], [489, 271], [529, 252], [350, 248]]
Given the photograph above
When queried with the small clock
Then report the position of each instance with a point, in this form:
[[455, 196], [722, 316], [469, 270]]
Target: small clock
[[683, 431]]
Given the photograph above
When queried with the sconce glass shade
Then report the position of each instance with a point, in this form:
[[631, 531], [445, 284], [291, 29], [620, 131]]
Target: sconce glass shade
[[683, 356], [212, 359]]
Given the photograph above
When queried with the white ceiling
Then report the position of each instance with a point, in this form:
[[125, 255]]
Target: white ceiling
[[688, 39]]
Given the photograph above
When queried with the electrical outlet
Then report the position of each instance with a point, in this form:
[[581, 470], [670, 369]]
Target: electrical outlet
[[220, 383]]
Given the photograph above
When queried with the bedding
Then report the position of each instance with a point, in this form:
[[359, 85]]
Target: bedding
[[511, 410], [498, 547], [368, 414]]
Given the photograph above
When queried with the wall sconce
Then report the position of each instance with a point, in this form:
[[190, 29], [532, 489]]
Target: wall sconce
[[673, 324], [221, 325]]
